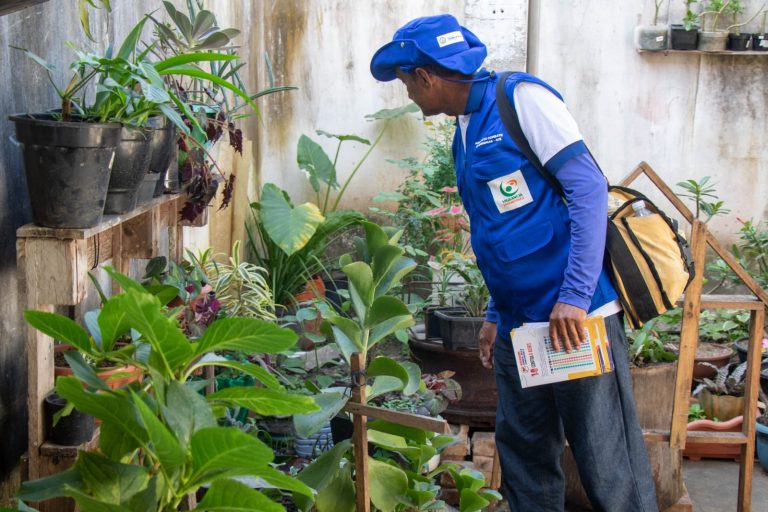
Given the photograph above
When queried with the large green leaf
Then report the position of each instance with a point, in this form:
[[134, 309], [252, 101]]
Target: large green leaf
[[385, 308], [60, 328], [253, 370], [89, 504], [83, 371], [471, 501], [383, 385], [186, 412], [320, 475], [167, 340], [383, 258], [226, 451], [167, 66], [249, 335], [113, 322], [392, 113], [289, 226], [347, 334], [375, 238], [266, 402], [115, 442], [414, 377], [111, 407], [312, 158], [385, 366], [163, 441], [342, 138], [414, 434], [387, 484], [360, 278], [330, 404], [386, 328], [110, 481], [388, 441], [339, 494], [50, 486], [203, 75], [232, 496], [128, 48]]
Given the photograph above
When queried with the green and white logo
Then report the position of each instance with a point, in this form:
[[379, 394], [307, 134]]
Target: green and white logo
[[510, 192]]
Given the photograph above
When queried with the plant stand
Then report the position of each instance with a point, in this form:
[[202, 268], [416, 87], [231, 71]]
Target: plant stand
[[53, 267], [692, 303]]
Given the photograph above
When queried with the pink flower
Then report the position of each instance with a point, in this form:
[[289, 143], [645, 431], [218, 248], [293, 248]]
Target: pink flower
[[449, 190], [434, 212], [456, 210]]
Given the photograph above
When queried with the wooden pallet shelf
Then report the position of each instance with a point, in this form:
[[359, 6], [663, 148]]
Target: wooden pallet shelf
[[53, 266]]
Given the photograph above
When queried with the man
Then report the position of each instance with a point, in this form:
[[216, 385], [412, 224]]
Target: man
[[542, 259]]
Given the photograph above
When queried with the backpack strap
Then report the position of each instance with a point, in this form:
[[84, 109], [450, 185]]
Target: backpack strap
[[512, 123]]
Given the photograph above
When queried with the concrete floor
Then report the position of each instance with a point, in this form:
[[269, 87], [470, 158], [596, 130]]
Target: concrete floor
[[713, 485]]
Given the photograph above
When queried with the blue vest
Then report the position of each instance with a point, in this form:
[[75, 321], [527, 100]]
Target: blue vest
[[520, 228]]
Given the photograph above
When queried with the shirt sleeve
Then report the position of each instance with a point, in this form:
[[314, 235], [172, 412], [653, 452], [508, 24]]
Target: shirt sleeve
[[555, 138], [490, 312]]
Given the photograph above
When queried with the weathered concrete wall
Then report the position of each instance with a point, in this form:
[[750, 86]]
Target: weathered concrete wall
[[688, 115]]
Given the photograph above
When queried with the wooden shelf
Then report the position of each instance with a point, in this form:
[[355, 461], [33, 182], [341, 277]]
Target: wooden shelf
[[699, 52], [748, 302]]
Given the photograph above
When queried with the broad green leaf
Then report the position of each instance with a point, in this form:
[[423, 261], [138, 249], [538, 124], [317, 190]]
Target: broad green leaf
[[249, 335], [389, 441], [203, 75], [60, 328], [204, 21], [471, 501], [395, 272], [128, 48], [50, 486], [342, 138], [167, 340], [339, 494], [290, 227], [221, 451], [387, 484], [113, 322], [360, 278], [383, 258], [315, 162], [280, 480], [163, 441], [165, 293], [330, 404], [386, 366], [214, 41], [232, 496], [266, 402], [385, 308], [89, 504], [321, 470], [115, 442], [384, 329], [392, 113], [186, 412], [375, 238], [253, 370], [414, 434], [167, 66], [109, 481], [125, 282], [153, 93], [490, 494], [383, 385], [414, 377], [39, 60], [109, 407], [83, 371]]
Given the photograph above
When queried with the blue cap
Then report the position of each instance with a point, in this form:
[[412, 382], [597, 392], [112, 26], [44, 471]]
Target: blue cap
[[430, 40]]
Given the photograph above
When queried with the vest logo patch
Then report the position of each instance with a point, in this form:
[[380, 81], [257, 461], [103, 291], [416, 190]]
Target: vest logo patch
[[510, 192]]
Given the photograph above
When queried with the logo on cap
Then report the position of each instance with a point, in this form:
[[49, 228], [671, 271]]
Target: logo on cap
[[450, 38]]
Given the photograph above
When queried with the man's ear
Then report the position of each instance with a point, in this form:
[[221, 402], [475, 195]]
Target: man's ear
[[423, 76]]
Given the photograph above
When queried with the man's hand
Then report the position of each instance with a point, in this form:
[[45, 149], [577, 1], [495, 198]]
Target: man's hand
[[486, 339], [566, 325]]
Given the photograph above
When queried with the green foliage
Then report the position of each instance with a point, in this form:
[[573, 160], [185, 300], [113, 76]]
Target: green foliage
[[474, 294], [696, 412], [430, 185], [751, 252], [729, 380], [691, 19], [159, 438], [647, 345], [712, 11], [700, 192]]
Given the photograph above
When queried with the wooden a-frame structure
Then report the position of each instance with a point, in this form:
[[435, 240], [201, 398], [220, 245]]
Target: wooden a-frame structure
[[692, 303]]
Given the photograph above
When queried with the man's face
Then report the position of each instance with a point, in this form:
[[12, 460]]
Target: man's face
[[422, 90]]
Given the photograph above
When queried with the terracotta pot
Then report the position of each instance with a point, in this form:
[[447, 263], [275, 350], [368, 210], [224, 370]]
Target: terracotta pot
[[126, 374], [698, 451], [315, 288], [712, 353]]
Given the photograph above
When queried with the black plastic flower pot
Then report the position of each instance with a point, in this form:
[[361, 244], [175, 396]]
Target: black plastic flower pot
[[681, 39], [67, 166], [71, 430], [738, 42], [760, 42], [132, 158], [147, 187], [459, 331], [163, 153], [431, 322]]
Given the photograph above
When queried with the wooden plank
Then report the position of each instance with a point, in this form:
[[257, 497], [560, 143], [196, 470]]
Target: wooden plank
[[51, 450], [118, 263], [109, 221], [754, 356], [40, 382], [99, 249], [748, 302], [644, 168], [139, 237], [495, 482], [401, 418], [730, 260], [54, 271], [689, 337], [360, 435], [659, 436]]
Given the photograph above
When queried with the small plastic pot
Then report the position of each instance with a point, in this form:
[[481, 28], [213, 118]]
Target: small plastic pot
[[681, 39], [739, 42], [73, 429]]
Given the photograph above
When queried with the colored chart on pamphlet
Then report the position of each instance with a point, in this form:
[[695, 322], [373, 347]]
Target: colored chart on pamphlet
[[573, 361]]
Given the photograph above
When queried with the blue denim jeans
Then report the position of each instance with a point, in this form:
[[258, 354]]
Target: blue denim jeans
[[596, 414]]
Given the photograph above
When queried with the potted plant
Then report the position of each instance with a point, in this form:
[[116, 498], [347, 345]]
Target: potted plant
[[163, 434], [760, 39], [68, 426], [685, 35], [722, 398], [736, 40], [710, 38], [652, 37], [459, 329]]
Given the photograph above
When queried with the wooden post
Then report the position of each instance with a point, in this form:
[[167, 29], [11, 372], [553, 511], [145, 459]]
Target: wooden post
[[360, 436], [689, 338]]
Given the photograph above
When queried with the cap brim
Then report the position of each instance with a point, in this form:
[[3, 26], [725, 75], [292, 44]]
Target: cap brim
[[401, 52]]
